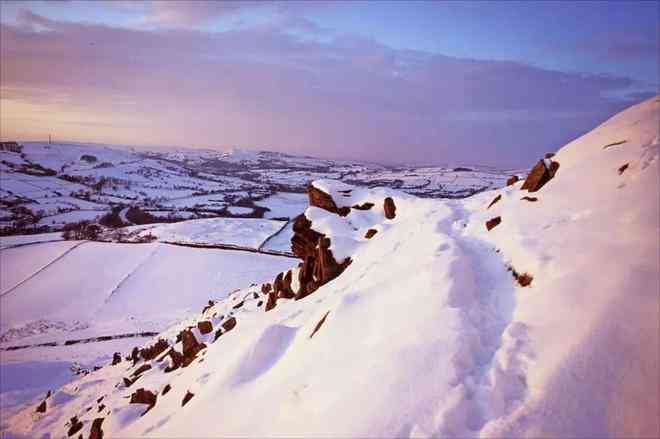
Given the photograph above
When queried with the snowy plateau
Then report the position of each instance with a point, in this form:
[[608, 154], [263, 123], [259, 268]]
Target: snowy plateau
[[258, 294]]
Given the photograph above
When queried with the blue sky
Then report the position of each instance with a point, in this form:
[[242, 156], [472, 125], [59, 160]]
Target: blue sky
[[464, 81]]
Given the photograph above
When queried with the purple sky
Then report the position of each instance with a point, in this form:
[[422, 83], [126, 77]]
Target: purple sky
[[424, 82]]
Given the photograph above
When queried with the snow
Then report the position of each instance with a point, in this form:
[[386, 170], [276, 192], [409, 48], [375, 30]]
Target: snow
[[426, 333], [284, 205], [18, 240]]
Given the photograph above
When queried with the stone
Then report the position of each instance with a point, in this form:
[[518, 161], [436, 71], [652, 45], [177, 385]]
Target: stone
[[549, 155], [188, 396], [304, 239], [265, 288], [229, 324], [623, 168], [142, 369], [495, 200], [151, 352], [207, 307], [143, 396], [320, 199], [190, 347], [205, 327], [95, 431], [116, 358], [494, 222], [390, 208], [530, 199], [512, 180], [75, 427], [285, 291], [129, 382], [370, 233], [166, 389], [177, 360], [540, 175], [363, 206], [135, 355], [319, 324], [41, 408]]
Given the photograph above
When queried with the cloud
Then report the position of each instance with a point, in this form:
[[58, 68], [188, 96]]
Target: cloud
[[265, 87]]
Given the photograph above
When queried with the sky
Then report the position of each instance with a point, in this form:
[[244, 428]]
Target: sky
[[495, 83]]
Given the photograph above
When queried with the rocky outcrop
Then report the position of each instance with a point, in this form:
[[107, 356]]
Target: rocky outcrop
[[96, 432], [389, 207], [540, 174], [370, 233], [320, 199], [143, 396], [512, 180], [494, 222], [116, 358], [151, 352], [41, 408], [141, 369], [363, 206], [205, 327], [187, 397], [166, 389], [75, 426]]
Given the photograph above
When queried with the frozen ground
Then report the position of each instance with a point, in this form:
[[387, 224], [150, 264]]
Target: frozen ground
[[431, 321]]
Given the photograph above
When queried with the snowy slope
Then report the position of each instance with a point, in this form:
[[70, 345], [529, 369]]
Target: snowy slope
[[426, 332]]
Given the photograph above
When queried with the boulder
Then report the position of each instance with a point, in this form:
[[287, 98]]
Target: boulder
[[135, 355], [205, 327], [143, 396], [190, 346], [540, 174], [166, 389], [41, 408], [129, 382], [390, 208], [285, 291], [151, 352], [141, 369], [512, 180], [495, 200], [491, 223], [363, 206], [176, 358], [320, 199], [95, 431], [116, 358], [370, 233], [265, 288], [188, 396], [229, 324], [530, 199], [75, 427], [272, 301], [304, 239]]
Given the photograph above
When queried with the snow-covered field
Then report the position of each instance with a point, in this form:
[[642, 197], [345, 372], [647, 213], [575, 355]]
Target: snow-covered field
[[545, 323]]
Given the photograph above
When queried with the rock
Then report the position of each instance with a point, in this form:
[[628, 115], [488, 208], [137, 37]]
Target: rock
[[187, 398], [512, 180], [41, 408], [272, 301], [495, 200], [229, 324], [363, 206], [491, 223], [304, 239], [265, 288], [525, 279], [549, 155], [530, 199], [623, 168], [177, 360], [190, 346], [135, 355], [205, 327], [540, 175], [324, 201], [143, 396], [101, 407], [129, 382], [285, 291], [95, 431], [151, 352], [390, 208], [142, 369], [319, 324], [370, 233], [116, 358], [209, 306], [238, 305], [166, 389], [76, 426]]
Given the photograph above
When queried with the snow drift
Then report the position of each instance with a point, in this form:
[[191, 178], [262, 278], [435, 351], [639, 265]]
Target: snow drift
[[418, 320]]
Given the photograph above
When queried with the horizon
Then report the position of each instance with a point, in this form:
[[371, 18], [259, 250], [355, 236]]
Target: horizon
[[458, 82]]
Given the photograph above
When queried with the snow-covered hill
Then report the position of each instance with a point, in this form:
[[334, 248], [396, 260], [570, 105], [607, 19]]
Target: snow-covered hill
[[516, 312]]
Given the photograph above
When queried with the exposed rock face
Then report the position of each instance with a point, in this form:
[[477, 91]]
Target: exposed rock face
[[116, 358], [540, 175], [512, 180], [166, 389], [272, 301], [370, 233], [151, 352], [188, 396], [319, 324], [141, 369], [549, 155], [143, 396], [623, 168], [265, 288], [96, 432], [190, 347], [76, 426], [304, 240], [322, 200], [490, 224], [205, 327], [41, 408], [495, 200], [129, 382], [390, 208], [229, 324]]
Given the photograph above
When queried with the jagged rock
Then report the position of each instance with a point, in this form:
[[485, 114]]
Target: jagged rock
[[205, 327], [540, 175], [319, 324], [272, 301], [265, 288], [491, 223], [370, 233], [531, 199], [304, 239], [255, 296], [143, 396], [95, 431], [239, 305], [76, 426], [209, 306], [135, 355], [229, 324], [141, 369], [98, 401], [285, 291], [363, 206], [512, 180], [41, 408], [188, 396], [390, 208], [549, 155], [623, 168], [177, 360], [101, 407], [322, 200], [129, 382], [190, 346], [151, 352], [116, 358], [495, 200], [166, 389]]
